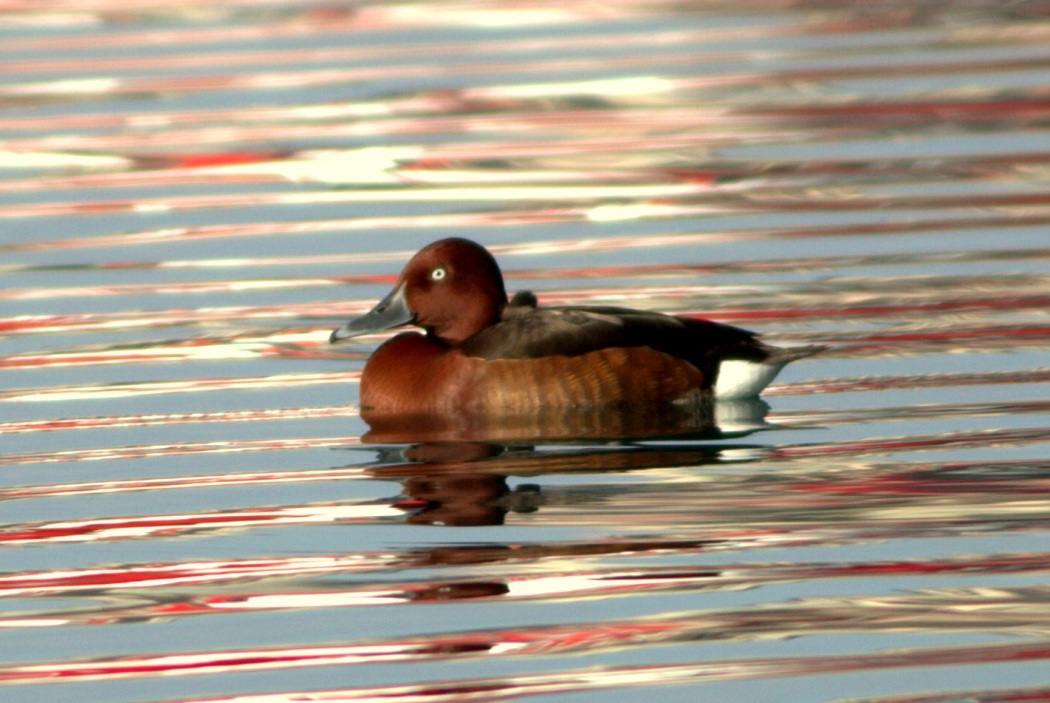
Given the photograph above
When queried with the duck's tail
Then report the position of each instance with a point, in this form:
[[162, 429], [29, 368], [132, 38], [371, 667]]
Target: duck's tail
[[746, 378]]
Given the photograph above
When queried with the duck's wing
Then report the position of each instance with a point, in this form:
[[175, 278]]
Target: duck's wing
[[527, 332]]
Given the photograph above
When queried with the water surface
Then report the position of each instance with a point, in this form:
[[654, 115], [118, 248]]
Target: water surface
[[191, 197]]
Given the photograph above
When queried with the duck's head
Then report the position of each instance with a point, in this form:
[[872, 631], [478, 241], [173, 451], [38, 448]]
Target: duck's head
[[452, 288]]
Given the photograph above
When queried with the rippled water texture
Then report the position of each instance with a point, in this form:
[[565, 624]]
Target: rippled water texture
[[193, 194]]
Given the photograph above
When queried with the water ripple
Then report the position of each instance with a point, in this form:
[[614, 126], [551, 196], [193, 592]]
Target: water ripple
[[193, 195]]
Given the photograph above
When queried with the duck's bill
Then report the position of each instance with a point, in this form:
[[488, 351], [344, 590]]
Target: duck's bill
[[391, 311]]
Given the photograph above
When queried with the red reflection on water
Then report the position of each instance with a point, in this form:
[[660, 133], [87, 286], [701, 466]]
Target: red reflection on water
[[185, 448], [174, 419], [60, 394], [620, 677], [558, 585], [167, 525], [589, 637]]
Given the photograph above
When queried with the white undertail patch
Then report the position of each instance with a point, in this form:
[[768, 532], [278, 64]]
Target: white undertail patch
[[744, 379]]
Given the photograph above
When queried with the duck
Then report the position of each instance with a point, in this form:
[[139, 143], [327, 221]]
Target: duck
[[480, 351]]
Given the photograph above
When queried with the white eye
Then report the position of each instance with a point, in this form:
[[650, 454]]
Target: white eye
[[438, 274]]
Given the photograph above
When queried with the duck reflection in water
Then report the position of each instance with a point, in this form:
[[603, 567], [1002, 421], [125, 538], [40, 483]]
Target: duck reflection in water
[[455, 471]]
